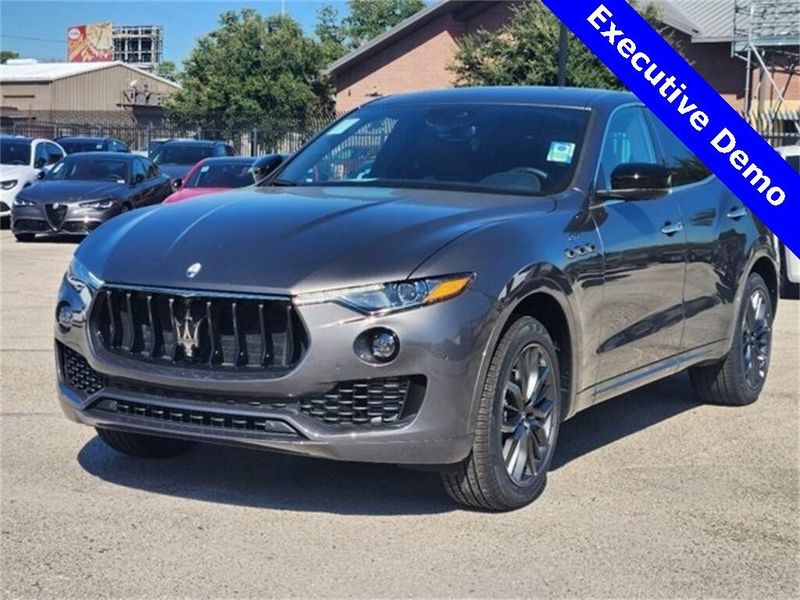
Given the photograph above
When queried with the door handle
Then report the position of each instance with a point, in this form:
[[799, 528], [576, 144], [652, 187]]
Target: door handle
[[737, 213], [670, 229]]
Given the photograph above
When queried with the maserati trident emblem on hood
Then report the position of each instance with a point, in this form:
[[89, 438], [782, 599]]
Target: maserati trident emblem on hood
[[193, 270], [188, 334]]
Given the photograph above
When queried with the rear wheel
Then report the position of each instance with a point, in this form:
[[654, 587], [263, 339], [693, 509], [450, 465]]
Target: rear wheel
[[25, 237], [738, 379], [144, 446], [517, 425]]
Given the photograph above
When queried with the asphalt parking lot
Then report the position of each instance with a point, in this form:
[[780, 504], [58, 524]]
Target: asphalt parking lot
[[652, 495]]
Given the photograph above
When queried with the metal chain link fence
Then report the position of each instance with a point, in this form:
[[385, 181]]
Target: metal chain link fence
[[262, 138]]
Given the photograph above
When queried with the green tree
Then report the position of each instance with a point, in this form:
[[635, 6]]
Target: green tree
[[6, 55], [366, 19], [330, 34], [251, 70], [525, 52], [168, 70]]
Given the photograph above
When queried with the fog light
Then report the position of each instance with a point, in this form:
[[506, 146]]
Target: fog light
[[64, 316], [377, 346], [384, 345]]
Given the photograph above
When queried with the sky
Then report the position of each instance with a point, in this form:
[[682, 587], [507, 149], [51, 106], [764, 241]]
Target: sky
[[38, 28]]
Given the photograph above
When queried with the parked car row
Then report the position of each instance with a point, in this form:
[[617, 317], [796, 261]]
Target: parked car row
[[74, 185], [22, 160]]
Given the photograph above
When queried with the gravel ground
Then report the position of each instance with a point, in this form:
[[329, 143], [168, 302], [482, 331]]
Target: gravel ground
[[652, 495]]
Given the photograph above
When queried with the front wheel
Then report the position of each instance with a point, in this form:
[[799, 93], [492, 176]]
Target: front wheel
[[738, 379], [517, 424]]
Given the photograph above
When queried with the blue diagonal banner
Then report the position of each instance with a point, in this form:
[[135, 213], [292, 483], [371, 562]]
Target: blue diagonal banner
[[690, 107]]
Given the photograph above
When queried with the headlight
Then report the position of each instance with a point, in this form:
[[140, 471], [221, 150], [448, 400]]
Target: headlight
[[392, 297], [18, 201], [8, 185], [79, 277], [101, 204]]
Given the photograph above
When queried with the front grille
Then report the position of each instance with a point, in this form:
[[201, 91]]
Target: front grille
[[30, 225], [55, 214], [78, 374], [198, 329], [187, 418], [376, 401], [79, 226]]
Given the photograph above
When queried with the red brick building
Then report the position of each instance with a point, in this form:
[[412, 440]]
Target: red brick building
[[415, 54]]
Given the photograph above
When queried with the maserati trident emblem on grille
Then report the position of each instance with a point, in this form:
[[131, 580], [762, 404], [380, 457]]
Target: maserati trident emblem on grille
[[188, 334], [193, 270]]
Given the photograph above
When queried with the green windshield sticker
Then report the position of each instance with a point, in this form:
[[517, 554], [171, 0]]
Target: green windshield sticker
[[561, 152]]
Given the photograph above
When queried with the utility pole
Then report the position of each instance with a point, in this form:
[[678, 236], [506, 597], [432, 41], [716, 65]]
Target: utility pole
[[562, 56]]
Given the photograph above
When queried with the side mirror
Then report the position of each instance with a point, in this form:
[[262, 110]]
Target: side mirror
[[177, 183], [39, 163], [41, 174], [267, 165], [638, 181]]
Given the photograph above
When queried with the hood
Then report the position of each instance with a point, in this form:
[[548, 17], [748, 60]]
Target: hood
[[175, 171], [71, 191], [290, 240], [186, 193]]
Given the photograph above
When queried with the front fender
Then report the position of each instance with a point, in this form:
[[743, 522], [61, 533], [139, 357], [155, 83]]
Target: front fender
[[499, 255]]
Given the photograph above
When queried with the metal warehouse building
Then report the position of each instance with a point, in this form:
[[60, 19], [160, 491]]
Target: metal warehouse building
[[31, 88]]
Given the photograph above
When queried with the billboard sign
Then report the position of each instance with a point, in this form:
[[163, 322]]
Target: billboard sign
[[90, 43]]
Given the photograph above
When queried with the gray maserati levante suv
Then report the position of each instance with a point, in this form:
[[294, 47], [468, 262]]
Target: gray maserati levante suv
[[491, 262]]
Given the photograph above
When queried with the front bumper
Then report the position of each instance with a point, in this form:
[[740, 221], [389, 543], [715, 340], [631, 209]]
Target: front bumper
[[7, 200], [76, 220], [441, 345]]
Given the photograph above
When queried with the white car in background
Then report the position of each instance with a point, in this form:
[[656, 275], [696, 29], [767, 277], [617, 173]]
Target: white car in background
[[21, 161], [790, 263]]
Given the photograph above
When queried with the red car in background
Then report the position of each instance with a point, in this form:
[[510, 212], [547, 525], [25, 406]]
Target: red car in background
[[223, 173]]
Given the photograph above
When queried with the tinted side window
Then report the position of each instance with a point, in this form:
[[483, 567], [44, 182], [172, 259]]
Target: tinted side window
[[627, 140], [686, 167], [54, 153], [152, 168], [794, 161], [139, 169], [40, 155]]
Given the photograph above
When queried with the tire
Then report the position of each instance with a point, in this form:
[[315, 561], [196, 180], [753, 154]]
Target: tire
[[25, 237], [143, 446], [729, 382], [486, 479]]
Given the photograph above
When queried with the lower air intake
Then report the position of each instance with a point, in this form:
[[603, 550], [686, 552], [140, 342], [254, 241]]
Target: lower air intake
[[78, 374], [375, 401]]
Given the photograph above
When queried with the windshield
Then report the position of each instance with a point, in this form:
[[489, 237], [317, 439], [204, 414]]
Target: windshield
[[82, 146], [15, 152], [182, 155], [222, 175], [530, 150], [94, 169]]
